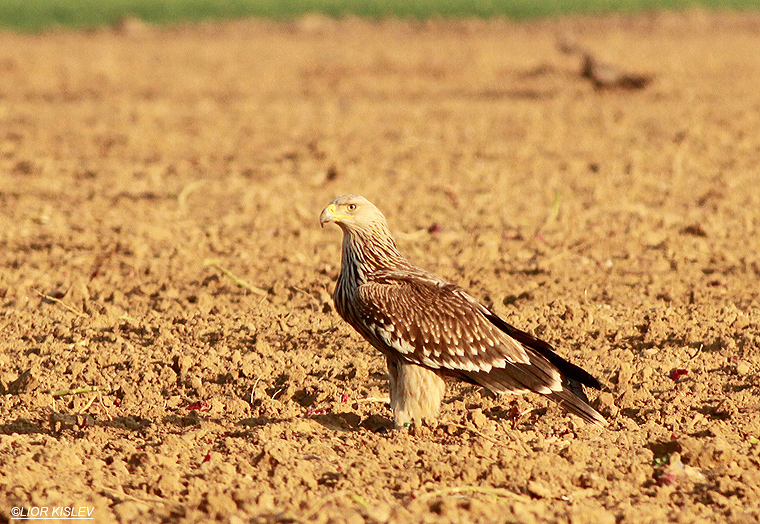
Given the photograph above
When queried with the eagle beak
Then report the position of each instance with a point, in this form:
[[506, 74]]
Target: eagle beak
[[328, 215]]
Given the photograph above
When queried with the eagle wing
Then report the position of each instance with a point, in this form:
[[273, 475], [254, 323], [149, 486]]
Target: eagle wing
[[435, 324], [438, 325]]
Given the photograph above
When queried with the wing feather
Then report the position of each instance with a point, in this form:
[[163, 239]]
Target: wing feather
[[438, 325]]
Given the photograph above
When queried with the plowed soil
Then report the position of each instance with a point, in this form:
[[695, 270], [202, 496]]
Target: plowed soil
[[159, 198]]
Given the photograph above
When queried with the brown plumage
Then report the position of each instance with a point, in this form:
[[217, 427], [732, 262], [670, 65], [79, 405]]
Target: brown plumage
[[429, 329]]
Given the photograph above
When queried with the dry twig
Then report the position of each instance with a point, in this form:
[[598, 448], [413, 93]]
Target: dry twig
[[103, 406], [64, 304], [87, 406], [473, 430], [211, 262]]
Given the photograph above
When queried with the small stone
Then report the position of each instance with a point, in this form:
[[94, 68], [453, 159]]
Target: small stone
[[265, 501], [606, 400], [742, 368], [607, 405]]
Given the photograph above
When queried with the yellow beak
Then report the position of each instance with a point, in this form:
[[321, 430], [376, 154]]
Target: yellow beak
[[329, 214]]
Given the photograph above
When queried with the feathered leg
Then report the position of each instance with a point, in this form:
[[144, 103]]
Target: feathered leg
[[416, 392]]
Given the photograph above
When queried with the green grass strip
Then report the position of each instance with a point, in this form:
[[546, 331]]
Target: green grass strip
[[35, 15]]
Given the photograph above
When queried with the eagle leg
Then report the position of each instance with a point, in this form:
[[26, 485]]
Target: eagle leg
[[416, 392]]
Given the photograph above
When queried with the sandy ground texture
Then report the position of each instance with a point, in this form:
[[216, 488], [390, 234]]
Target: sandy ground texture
[[145, 173]]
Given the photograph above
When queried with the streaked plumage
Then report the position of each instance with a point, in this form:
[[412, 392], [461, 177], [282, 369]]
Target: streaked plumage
[[428, 328]]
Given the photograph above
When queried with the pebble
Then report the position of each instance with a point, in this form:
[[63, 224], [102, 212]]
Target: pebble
[[742, 368]]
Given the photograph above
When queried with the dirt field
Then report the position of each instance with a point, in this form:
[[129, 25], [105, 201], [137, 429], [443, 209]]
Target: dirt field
[[137, 165]]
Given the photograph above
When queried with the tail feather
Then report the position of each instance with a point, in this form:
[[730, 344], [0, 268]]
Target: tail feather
[[569, 399], [544, 349], [543, 359]]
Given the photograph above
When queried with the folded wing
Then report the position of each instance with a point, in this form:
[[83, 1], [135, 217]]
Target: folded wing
[[438, 325]]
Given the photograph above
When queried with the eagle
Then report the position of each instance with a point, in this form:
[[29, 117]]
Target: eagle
[[429, 329]]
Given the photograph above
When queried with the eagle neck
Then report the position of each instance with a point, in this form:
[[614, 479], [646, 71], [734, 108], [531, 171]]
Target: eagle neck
[[366, 251]]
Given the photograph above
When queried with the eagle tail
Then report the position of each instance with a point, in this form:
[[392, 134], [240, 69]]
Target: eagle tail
[[519, 380], [575, 401], [568, 369]]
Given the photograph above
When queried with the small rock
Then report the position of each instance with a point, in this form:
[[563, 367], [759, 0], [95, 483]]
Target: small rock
[[265, 501], [742, 368], [607, 405]]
